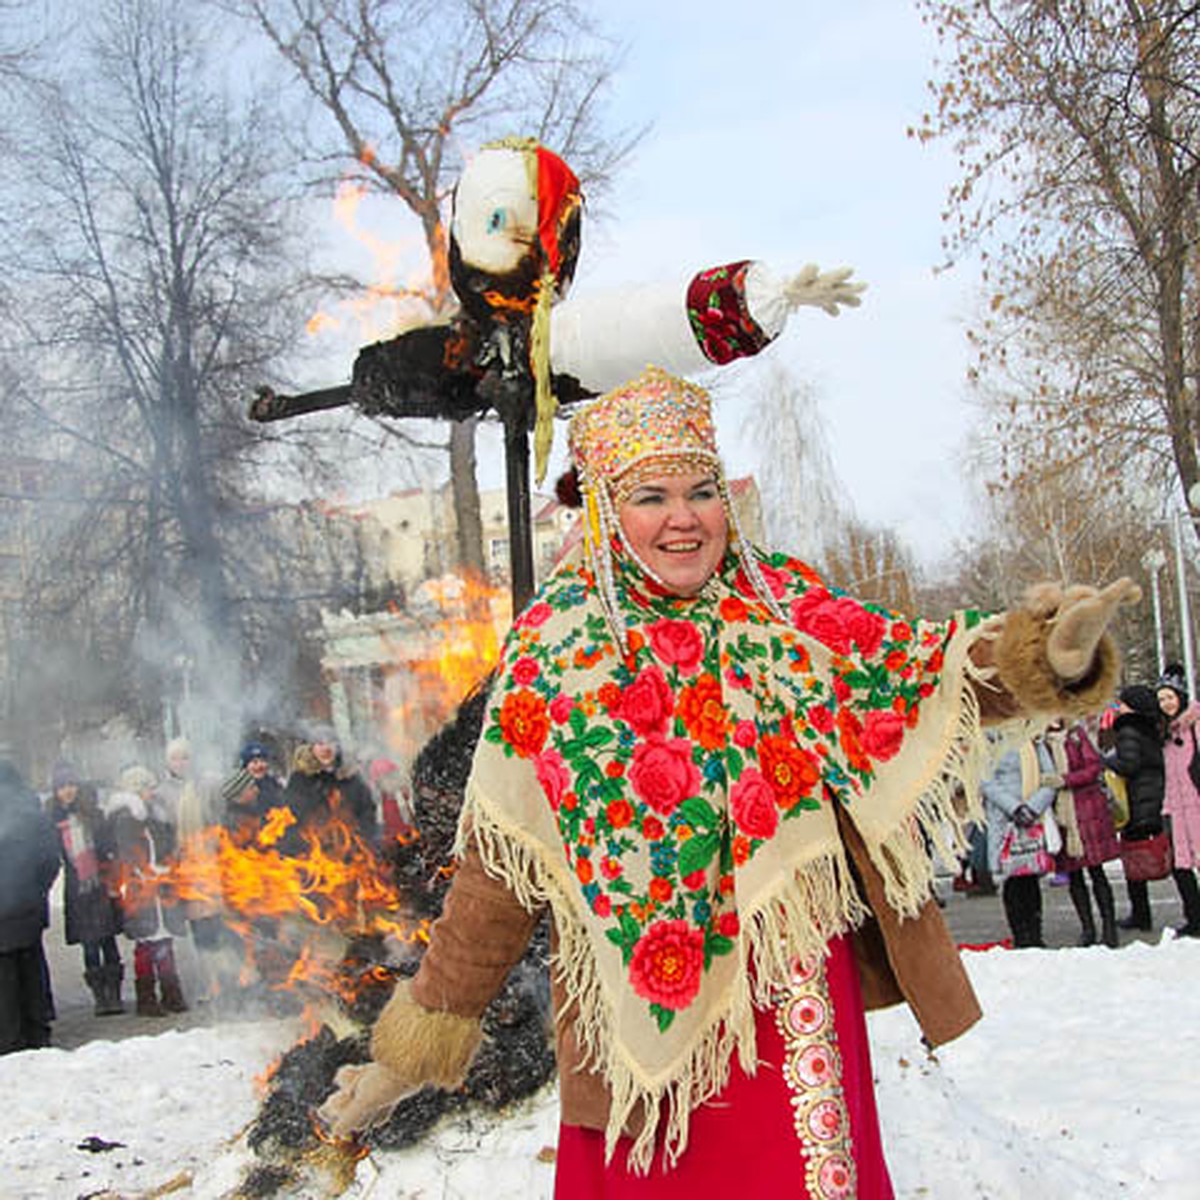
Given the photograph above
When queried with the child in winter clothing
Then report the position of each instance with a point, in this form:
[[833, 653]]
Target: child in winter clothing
[[91, 915], [146, 838]]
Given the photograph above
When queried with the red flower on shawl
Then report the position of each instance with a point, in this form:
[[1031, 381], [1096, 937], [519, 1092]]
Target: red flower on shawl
[[647, 703], [662, 773], [703, 713], [525, 671], [676, 643], [866, 629], [667, 964], [850, 731], [553, 775], [619, 813], [560, 708], [883, 733], [733, 608], [790, 771], [752, 803], [524, 722], [820, 718], [537, 615], [818, 614]]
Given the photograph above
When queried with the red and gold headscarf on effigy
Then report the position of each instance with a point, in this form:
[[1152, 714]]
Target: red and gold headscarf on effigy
[[663, 771]]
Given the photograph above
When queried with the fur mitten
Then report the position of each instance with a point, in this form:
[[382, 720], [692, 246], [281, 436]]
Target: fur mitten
[[1054, 654], [412, 1046]]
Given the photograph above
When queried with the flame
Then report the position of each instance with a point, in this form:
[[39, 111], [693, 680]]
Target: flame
[[393, 300], [310, 894], [462, 646]]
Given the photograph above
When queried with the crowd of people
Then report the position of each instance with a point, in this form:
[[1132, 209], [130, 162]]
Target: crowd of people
[[113, 842], [1120, 786]]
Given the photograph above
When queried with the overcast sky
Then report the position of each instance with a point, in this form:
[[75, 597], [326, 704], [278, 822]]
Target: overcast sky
[[778, 132]]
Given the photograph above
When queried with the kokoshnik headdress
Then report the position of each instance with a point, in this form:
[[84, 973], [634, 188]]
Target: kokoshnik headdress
[[657, 424]]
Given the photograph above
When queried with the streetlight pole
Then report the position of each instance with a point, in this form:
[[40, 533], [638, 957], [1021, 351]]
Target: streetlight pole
[[1153, 561]]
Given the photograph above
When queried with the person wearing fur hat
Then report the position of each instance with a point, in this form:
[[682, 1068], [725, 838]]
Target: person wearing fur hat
[[29, 864], [146, 840], [1181, 800], [1137, 756], [323, 784], [92, 917], [712, 770]]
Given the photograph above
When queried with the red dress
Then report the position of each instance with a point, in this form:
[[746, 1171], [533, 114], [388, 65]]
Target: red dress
[[804, 1126]]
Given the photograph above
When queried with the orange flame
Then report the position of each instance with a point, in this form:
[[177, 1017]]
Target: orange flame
[[333, 881], [463, 646], [394, 299]]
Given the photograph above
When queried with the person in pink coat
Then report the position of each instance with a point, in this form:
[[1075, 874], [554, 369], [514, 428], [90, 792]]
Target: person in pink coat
[[1182, 799]]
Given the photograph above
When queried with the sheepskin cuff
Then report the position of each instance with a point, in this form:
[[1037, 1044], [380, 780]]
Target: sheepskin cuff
[[421, 1045], [1024, 669]]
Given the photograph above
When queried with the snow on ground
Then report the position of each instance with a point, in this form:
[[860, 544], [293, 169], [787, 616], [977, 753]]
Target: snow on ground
[[1079, 1082]]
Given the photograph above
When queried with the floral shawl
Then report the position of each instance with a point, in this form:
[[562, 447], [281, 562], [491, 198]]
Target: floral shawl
[[675, 806]]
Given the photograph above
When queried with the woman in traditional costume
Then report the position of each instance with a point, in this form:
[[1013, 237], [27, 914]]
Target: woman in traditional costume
[[719, 775]]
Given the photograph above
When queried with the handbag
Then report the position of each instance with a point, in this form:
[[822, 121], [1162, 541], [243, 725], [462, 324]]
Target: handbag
[[1147, 859], [1118, 797], [1023, 852]]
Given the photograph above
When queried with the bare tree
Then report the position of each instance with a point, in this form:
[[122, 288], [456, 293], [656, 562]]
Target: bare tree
[[1077, 125], [408, 87], [151, 268]]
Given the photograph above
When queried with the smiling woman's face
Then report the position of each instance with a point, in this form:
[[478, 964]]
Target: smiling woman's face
[[676, 525]]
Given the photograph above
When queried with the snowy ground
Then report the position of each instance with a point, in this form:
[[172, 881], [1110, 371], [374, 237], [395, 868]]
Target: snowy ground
[[1080, 1082]]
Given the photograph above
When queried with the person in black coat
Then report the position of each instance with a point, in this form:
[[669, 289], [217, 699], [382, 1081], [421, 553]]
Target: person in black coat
[[323, 785], [29, 864], [92, 916], [1137, 756]]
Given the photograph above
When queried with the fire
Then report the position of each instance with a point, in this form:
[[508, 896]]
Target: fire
[[295, 903], [456, 652], [391, 301]]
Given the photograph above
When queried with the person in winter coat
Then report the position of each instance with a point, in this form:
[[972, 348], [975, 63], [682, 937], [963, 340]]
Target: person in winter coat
[[146, 841], [29, 865], [1181, 800], [1137, 756], [1085, 820], [252, 791], [321, 785], [187, 802], [712, 770], [1016, 799], [92, 917]]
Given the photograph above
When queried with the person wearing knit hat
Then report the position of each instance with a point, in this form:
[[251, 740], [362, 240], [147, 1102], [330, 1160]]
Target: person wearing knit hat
[[91, 916], [708, 766], [1181, 797], [252, 791], [146, 841]]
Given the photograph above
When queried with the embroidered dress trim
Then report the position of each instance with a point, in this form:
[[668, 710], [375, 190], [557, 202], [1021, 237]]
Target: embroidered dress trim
[[812, 1070]]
